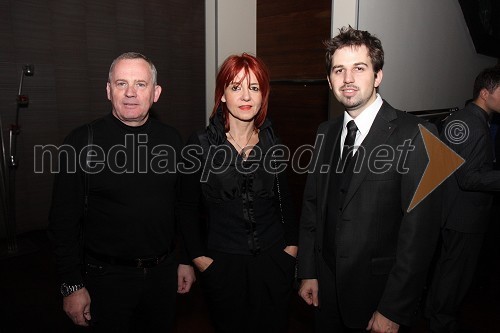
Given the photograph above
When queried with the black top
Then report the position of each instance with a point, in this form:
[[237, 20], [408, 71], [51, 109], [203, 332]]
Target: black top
[[132, 191], [468, 193], [241, 198], [495, 126]]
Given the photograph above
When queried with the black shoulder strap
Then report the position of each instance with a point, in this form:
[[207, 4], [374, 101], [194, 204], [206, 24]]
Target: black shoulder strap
[[85, 169], [90, 140], [205, 144]]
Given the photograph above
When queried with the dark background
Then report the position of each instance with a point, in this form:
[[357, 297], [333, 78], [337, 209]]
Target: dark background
[[483, 20], [72, 44]]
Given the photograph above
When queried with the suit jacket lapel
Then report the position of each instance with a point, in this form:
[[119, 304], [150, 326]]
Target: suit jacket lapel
[[331, 140], [380, 131]]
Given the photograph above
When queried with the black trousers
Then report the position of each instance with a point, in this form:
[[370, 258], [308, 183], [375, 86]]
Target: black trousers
[[452, 278], [327, 317], [126, 299], [249, 294]]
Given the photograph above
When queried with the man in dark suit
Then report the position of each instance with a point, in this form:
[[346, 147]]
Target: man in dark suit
[[495, 132], [466, 202], [363, 257]]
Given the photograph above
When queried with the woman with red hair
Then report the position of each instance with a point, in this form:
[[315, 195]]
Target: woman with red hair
[[245, 249]]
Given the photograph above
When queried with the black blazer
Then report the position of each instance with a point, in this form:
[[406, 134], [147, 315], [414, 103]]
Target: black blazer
[[382, 251], [467, 202]]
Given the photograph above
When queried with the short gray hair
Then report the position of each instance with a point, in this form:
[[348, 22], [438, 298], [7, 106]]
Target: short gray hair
[[133, 55]]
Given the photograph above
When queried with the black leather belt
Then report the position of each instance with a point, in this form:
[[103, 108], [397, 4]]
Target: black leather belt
[[137, 262]]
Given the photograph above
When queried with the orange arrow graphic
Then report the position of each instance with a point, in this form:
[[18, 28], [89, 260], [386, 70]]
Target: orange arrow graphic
[[443, 161]]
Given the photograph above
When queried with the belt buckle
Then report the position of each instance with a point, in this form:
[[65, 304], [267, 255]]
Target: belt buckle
[[139, 263], [147, 263]]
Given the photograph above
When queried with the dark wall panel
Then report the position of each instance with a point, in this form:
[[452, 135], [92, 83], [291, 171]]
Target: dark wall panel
[[296, 111], [290, 37], [72, 43]]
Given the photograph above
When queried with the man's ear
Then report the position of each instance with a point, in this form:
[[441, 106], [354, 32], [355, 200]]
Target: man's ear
[[483, 93], [108, 90], [329, 83], [157, 93], [378, 78]]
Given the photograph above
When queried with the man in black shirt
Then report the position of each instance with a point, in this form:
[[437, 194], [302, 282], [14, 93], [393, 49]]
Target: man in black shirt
[[112, 218], [467, 199]]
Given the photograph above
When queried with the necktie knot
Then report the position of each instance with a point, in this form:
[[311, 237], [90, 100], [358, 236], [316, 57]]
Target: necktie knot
[[351, 127]]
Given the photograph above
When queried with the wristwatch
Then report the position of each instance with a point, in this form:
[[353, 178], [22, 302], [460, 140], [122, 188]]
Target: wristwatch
[[67, 290]]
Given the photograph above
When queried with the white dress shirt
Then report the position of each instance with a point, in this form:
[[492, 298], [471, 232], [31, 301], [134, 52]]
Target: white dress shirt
[[363, 121]]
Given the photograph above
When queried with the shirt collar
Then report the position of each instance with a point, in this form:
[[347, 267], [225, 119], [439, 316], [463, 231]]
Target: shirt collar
[[482, 113], [365, 119]]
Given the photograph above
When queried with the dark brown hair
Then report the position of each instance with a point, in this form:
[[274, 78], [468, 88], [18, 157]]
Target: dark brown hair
[[489, 79], [349, 36]]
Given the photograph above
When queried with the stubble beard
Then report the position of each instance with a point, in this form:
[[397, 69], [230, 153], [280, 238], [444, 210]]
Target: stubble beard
[[350, 103]]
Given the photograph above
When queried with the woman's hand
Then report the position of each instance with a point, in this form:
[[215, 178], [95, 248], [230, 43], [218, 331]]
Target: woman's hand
[[202, 263], [292, 250]]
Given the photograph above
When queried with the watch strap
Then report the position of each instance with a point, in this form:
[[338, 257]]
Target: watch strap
[[67, 290]]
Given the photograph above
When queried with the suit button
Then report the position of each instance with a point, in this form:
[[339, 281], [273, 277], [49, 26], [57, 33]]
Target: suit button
[[343, 191]]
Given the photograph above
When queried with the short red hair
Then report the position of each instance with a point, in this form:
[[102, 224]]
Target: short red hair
[[228, 71]]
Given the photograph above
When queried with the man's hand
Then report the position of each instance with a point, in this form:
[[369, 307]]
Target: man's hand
[[309, 291], [77, 307], [185, 278], [380, 324]]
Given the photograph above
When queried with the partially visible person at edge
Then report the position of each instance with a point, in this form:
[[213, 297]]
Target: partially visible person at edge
[[468, 197], [363, 254], [246, 249], [116, 262], [495, 134]]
